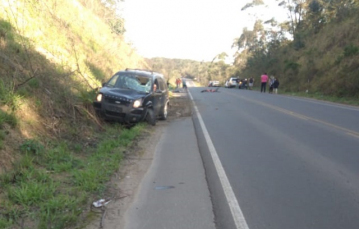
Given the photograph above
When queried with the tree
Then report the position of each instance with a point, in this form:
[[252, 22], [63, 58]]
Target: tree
[[296, 11], [107, 10], [314, 17]]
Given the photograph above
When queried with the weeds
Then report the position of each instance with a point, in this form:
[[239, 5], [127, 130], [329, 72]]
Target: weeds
[[9, 214], [33, 147], [8, 118], [8, 97], [4, 223], [86, 96], [351, 50], [31, 193], [48, 179], [60, 211]]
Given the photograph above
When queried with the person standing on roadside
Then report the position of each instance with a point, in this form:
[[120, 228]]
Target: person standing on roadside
[[250, 84], [275, 85], [271, 81], [184, 84], [178, 82], [264, 80]]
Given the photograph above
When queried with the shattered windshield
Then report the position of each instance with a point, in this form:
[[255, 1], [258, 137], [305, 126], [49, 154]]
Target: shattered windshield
[[136, 82]]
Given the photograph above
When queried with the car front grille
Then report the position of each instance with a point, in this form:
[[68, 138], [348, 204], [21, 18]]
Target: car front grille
[[118, 100]]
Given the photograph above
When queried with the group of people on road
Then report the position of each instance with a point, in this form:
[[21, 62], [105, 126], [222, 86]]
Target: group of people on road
[[272, 81], [246, 83]]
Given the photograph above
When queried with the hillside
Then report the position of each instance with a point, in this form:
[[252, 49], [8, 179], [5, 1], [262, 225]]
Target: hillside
[[55, 153], [53, 56], [320, 60]]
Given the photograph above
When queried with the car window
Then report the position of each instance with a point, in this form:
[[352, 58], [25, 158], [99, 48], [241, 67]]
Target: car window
[[112, 81], [136, 82]]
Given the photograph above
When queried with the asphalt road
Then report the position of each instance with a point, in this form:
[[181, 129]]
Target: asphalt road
[[292, 163], [174, 192]]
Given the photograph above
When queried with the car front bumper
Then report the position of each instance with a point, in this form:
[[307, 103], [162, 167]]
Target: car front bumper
[[120, 113]]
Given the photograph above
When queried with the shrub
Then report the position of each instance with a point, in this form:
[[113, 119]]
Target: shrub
[[33, 147], [8, 118], [351, 50]]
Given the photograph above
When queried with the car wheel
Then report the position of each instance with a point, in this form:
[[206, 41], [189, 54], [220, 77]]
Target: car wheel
[[164, 112], [151, 118]]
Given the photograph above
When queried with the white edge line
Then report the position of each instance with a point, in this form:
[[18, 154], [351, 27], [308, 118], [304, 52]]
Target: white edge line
[[236, 211]]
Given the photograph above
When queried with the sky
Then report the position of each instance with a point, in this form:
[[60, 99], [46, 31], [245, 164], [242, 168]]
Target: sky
[[190, 29]]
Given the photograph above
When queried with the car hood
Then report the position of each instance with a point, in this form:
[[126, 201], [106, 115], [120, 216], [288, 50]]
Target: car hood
[[124, 93]]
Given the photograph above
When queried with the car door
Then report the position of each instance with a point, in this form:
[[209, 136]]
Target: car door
[[160, 95], [156, 97]]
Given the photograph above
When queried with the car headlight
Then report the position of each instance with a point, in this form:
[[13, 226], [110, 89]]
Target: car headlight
[[99, 98], [137, 103]]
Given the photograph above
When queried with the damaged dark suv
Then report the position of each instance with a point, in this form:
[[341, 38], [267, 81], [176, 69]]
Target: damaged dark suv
[[132, 96]]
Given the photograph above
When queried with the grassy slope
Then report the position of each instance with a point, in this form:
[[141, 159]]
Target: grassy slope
[[327, 65], [53, 56], [324, 66]]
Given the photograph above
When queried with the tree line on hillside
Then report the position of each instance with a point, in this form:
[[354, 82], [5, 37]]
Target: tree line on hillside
[[203, 71], [316, 50]]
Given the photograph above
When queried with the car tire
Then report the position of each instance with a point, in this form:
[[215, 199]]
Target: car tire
[[150, 117], [164, 112]]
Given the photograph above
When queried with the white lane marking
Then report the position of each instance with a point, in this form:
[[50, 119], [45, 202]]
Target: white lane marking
[[236, 211]]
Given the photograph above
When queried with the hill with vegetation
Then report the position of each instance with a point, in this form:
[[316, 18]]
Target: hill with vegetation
[[314, 53], [55, 153]]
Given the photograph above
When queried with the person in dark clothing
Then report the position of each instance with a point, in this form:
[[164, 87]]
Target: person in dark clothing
[[275, 85], [245, 85], [184, 84]]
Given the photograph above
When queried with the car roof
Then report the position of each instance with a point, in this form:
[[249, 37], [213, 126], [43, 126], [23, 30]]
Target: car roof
[[143, 71]]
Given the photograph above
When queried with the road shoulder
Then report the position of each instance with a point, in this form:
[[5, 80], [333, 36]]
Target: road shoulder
[[174, 192]]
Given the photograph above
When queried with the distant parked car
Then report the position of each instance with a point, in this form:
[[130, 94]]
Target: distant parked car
[[213, 84], [132, 96], [232, 82]]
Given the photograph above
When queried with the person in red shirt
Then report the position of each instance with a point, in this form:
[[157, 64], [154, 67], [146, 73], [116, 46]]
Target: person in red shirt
[[264, 80], [178, 82]]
